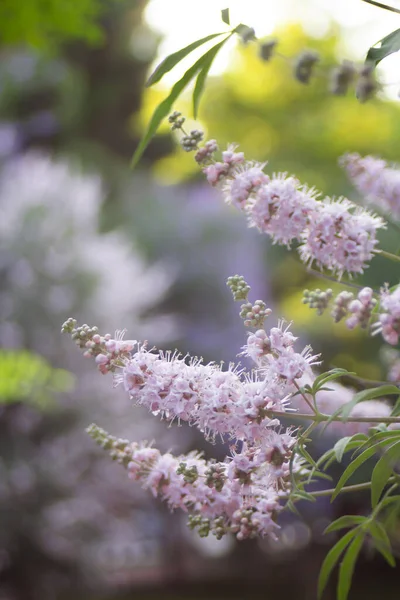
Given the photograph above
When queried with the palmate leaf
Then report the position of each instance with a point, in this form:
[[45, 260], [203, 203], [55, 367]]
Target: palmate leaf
[[165, 106], [173, 59], [388, 45]]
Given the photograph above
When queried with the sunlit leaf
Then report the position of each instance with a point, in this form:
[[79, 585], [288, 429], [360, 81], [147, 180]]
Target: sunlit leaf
[[173, 59], [225, 16], [164, 108], [202, 76], [388, 45]]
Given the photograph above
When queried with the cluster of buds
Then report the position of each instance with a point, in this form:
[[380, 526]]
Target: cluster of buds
[[177, 120], [109, 352], [238, 286], [341, 305], [361, 309], [215, 476], [190, 474], [204, 154], [318, 299], [190, 142], [255, 314], [119, 449], [304, 65]]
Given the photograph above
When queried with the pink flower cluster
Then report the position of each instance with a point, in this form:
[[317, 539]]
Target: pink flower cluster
[[242, 493], [335, 234], [375, 180], [245, 502], [216, 401], [389, 321]]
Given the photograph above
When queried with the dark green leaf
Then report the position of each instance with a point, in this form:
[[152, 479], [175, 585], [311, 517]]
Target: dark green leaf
[[371, 394], [332, 558], [381, 541], [225, 16], [345, 522], [388, 45], [304, 495], [329, 376], [347, 567], [305, 454], [382, 471], [396, 408], [352, 468], [345, 410], [202, 76], [245, 32], [340, 448], [173, 59]]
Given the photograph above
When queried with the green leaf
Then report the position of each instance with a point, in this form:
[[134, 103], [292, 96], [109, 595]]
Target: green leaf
[[173, 59], [329, 376], [164, 108], [382, 471], [371, 394], [345, 410], [202, 76], [382, 542], [245, 32], [352, 468], [332, 558], [225, 16], [396, 408], [388, 45], [306, 455], [340, 448], [347, 567], [345, 522]]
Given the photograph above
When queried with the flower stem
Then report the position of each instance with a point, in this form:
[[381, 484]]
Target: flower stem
[[384, 6], [357, 487], [320, 418], [388, 255]]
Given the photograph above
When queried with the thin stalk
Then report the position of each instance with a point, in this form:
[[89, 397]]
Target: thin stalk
[[320, 417], [388, 255], [384, 6], [357, 487]]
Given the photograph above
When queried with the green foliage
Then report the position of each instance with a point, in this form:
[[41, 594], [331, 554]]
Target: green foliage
[[200, 67], [388, 45], [173, 59], [45, 24], [28, 377]]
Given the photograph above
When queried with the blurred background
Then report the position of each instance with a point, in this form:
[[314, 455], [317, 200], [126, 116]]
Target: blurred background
[[82, 235]]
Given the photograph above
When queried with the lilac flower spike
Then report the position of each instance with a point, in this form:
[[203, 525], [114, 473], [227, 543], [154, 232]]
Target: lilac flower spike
[[335, 234]]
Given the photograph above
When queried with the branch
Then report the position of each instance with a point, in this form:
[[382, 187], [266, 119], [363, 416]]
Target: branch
[[384, 6]]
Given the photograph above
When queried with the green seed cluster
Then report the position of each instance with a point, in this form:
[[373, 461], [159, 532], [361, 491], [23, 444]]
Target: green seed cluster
[[318, 299], [238, 287]]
